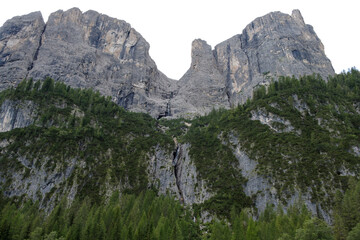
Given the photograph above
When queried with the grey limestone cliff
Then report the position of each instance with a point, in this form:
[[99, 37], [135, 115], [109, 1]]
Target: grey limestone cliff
[[276, 44], [86, 50], [262, 190], [19, 43], [191, 188], [202, 87], [16, 114], [92, 50]]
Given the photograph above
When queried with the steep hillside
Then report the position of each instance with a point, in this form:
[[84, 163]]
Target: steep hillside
[[297, 138], [73, 142]]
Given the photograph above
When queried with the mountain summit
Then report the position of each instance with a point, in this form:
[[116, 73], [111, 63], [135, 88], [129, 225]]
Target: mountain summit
[[92, 50]]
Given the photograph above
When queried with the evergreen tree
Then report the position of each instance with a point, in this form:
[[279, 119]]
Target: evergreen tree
[[220, 231], [251, 231], [48, 85], [347, 210], [36, 234], [314, 229], [354, 234]]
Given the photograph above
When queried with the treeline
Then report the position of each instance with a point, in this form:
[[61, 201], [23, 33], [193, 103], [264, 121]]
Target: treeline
[[48, 94], [343, 84]]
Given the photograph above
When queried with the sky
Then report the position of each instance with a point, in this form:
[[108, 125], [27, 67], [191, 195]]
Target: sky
[[170, 26]]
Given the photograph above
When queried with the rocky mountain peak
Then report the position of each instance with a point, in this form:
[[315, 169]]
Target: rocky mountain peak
[[201, 54], [273, 45], [202, 87], [296, 14]]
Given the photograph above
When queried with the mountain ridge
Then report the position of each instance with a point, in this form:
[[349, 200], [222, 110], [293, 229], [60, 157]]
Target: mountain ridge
[[92, 50]]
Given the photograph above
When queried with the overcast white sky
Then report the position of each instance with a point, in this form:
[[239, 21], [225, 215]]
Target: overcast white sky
[[170, 26]]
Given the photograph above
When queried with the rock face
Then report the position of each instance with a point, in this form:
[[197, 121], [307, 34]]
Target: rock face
[[91, 50], [191, 188], [19, 43], [273, 45], [202, 87], [86, 50], [16, 115]]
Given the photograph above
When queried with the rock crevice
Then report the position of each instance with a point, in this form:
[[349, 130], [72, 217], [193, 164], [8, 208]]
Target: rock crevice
[[177, 170]]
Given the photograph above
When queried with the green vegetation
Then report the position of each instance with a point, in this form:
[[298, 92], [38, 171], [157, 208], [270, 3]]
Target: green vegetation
[[143, 216], [107, 143], [297, 224], [147, 216], [311, 146], [317, 152], [347, 212], [216, 164]]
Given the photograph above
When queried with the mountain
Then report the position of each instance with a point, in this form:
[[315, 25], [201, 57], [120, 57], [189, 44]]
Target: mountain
[[68, 140], [85, 50], [91, 50]]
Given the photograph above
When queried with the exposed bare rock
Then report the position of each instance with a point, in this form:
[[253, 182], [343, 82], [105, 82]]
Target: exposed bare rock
[[16, 114], [92, 50], [276, 123], [191, 188], [276, 44], [161, 172], [202, 88], [19, 43], [264, 193]]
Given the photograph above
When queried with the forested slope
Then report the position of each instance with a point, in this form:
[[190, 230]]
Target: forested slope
[[297, 142]]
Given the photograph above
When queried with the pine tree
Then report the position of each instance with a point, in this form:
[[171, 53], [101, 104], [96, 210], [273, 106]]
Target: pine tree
[[354, 234], [314, 229], [36, 234], [251, 231], [238, 228]]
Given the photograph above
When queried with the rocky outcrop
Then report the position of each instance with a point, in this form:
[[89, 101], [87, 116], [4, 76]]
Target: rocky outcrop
[[202, 87], [275, 122], [36, 182], [274, 45], [191, 188], [85, 50], [91, 50], [161, 172], [19, 44], [257, 186], [261, 189], [16, 114], [177, 175]]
